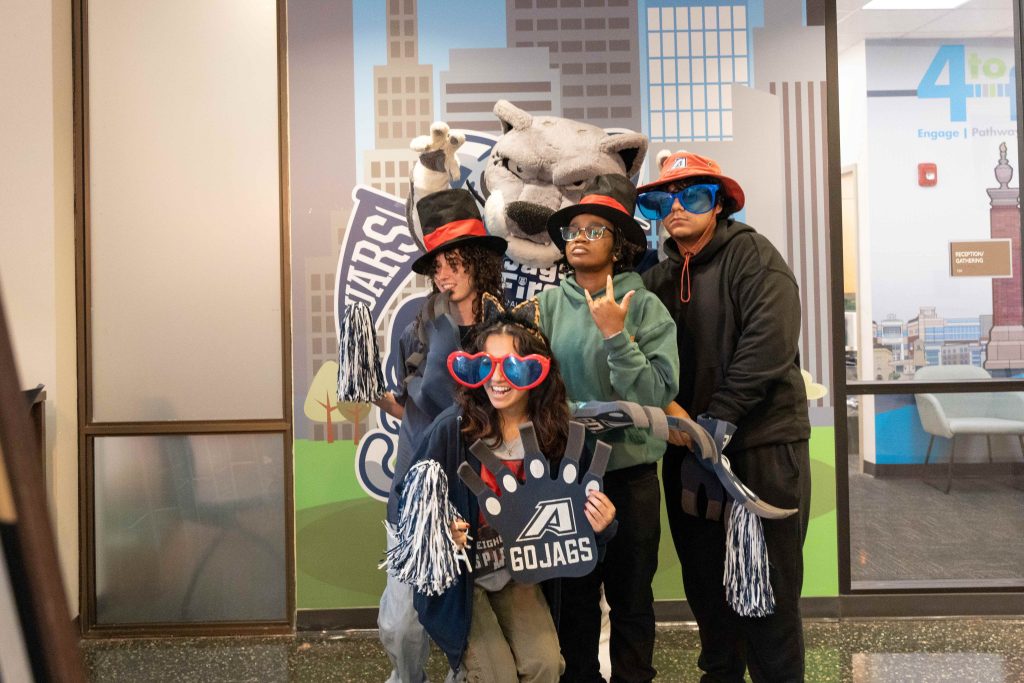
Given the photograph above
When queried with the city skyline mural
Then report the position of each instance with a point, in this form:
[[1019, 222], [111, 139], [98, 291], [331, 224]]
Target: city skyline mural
[[367, 78]]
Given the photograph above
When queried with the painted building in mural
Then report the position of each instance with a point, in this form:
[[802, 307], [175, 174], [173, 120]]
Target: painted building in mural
[[403, 103], [593, 44], [694, 56], [477, 76]]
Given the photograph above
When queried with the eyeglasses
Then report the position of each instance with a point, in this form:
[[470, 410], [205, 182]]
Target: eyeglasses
[[591, 232], [694, 198], [522, 372]]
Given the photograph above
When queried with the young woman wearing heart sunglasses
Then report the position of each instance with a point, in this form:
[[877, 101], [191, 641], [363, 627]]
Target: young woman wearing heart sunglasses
[[506, 378], [463, 263]]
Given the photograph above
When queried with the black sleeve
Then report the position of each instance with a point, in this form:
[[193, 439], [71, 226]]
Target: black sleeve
[[604, 538]]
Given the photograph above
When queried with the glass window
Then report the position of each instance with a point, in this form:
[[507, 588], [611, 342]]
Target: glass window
[[932, 294], [186, 525], [937, 236], [928, 511], [184, 226]]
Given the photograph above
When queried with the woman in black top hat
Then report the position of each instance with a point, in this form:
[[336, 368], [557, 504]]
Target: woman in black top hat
[[463, 263]]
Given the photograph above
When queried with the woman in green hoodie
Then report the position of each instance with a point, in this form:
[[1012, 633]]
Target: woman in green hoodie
[[614, 340]]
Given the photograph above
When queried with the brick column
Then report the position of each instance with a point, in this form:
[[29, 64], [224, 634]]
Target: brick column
[[1004, 354]]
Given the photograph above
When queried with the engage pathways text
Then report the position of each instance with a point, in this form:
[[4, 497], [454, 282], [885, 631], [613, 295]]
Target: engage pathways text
[[965, 132]]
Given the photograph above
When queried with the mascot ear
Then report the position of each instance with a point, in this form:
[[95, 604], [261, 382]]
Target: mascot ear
[[631, 148], [511, 116], [490, 308], [663, 156]]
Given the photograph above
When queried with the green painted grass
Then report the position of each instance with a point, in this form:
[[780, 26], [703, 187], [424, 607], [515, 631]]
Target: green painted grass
[[339, 535], [337, 548], [325, 473], [821, 549]]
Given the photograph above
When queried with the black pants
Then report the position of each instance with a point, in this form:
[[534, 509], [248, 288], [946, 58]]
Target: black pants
[[626, 571], [773, 646]]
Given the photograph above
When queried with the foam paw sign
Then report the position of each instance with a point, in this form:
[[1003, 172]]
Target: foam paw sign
[[541, 520]]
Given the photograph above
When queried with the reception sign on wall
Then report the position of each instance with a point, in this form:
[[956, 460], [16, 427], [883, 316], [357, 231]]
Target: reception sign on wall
[[988, 258]]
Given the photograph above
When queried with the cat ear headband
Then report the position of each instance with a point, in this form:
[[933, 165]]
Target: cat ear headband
[[525, 314]]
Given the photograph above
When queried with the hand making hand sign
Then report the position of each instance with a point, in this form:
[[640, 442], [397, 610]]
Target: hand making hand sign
[[609, 316]]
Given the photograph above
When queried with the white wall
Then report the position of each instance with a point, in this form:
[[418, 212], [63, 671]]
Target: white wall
[[853, 105], [37, 238], [913, 225]]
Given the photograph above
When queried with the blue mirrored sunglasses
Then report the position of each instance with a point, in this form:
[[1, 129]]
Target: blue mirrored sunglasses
[[694, 198]]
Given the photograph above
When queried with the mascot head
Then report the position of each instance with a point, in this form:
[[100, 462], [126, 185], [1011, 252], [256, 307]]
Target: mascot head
[[540, 165]]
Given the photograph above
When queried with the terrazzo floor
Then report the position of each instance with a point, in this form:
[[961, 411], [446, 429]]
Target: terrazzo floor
[[862, 651]]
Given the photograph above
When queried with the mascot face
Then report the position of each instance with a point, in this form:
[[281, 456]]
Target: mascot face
[[541, 164]]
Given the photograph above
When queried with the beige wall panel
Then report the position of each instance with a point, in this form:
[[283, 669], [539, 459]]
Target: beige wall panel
[[185, 215]]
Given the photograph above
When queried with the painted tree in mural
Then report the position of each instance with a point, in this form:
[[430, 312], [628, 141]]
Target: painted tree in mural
[[322, 398], [354, 413], [322, 402]]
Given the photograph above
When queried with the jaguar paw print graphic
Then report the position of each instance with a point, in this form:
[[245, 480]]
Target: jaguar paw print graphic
[[541, 520]]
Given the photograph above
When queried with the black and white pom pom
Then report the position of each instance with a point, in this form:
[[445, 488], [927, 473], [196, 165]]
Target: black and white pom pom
[[747, 586], [360, 378], [425, 556]]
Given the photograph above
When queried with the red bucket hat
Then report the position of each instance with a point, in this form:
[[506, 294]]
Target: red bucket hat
[[682, 165]]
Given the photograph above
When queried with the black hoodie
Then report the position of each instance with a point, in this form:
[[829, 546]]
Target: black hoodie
[[738, 335]]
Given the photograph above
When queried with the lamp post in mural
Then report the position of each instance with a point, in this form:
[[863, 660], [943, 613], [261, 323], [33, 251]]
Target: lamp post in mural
[[1004, 355]]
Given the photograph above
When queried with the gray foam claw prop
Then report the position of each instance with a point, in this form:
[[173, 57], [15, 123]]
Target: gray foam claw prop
[[707, 450]]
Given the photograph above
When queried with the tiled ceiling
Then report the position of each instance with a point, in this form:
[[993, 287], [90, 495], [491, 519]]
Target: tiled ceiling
[[973, 19]]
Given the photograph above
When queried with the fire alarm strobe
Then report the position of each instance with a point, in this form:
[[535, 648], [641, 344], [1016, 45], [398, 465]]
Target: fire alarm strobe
[[927, 175]]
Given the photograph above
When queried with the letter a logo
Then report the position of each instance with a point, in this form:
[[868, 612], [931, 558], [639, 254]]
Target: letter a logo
[[551, 516]]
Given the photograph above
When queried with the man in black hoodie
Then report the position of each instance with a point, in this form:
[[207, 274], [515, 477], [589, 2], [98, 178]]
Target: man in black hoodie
[[737, 313]]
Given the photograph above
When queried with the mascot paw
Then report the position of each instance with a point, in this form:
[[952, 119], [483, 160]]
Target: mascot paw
[[437, 150]]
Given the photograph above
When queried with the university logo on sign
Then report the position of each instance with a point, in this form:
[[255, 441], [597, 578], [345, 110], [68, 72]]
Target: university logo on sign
[[540, 518], [550, 544], [551, 517]]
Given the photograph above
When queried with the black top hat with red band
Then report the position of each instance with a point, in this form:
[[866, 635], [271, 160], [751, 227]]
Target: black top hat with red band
[[611, 197], [450, 219]]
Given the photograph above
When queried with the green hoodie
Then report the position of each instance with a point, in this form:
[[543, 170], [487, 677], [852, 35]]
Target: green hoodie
[[639, 365]]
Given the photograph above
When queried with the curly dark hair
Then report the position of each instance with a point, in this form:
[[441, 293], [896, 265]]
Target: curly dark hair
[[483, 265], [625, 255], [547, 406], [484, 268]]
